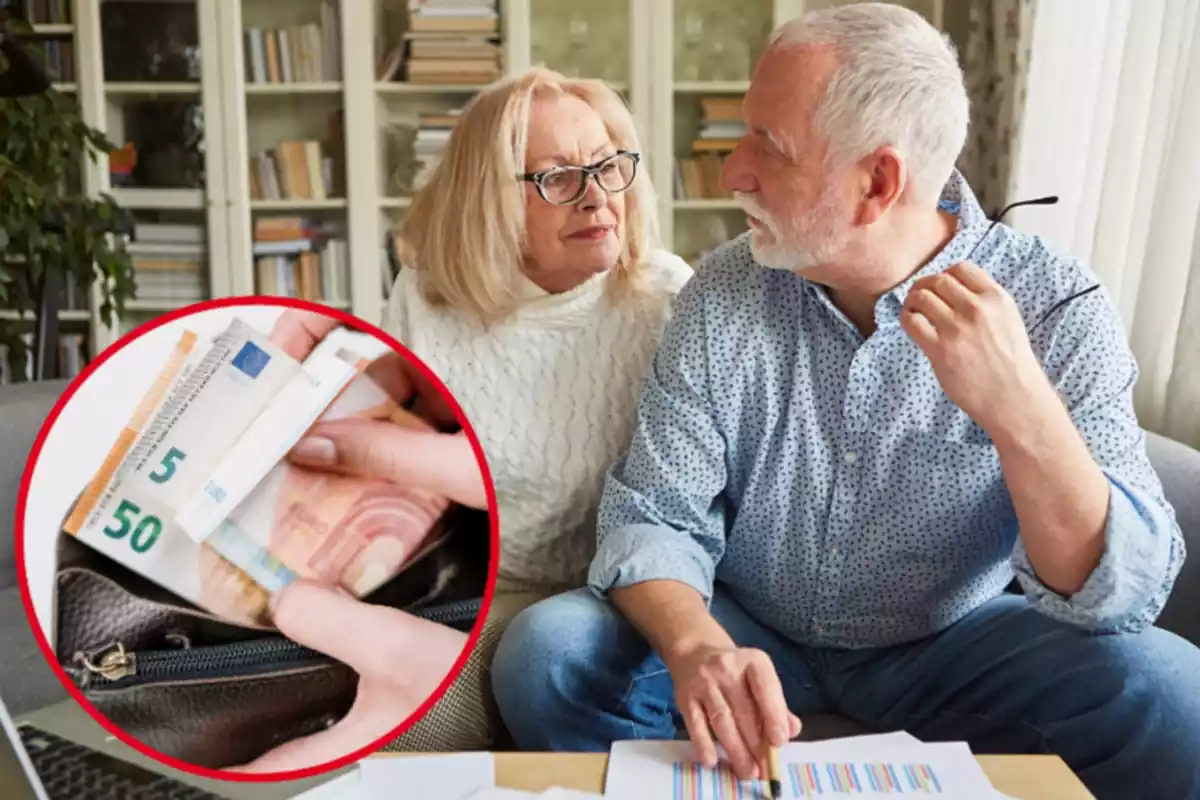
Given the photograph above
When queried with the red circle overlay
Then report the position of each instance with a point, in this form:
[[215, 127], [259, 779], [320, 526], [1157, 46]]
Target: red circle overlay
[[350, 322]]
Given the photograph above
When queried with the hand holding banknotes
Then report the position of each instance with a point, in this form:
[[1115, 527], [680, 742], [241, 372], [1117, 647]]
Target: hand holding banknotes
[[399, 657], [442, 463]]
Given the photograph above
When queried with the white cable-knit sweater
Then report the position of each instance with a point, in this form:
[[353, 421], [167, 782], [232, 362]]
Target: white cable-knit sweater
[[552, 394]]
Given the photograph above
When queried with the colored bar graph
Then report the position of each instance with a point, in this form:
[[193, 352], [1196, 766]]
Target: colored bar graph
[[691, 781], [830, 779], [694, 782]]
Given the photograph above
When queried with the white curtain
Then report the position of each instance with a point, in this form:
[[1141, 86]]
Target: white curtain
[[1112, 126]]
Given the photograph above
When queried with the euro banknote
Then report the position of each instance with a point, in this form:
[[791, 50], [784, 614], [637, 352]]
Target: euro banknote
[[273, 521], [297, 522]]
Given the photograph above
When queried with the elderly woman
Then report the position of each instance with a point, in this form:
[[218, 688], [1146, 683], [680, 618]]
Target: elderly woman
[[534, 289]]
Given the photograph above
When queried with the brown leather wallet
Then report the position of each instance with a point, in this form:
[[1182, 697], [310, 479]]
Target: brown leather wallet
[[216, 693]]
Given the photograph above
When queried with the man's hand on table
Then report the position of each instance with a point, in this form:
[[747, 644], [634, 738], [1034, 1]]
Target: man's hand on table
[[734, 693], [721, 689]]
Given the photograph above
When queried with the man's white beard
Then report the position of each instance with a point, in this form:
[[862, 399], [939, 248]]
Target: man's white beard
[[802, 242]]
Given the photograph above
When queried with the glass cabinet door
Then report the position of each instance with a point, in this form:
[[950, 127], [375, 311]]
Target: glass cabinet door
[[714, 49], [158, 87], [582, 40]]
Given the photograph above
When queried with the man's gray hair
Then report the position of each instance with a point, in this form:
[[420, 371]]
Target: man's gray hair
[[897, 82]]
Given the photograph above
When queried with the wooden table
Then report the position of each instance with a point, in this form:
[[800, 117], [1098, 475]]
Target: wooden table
[[1023, 777]]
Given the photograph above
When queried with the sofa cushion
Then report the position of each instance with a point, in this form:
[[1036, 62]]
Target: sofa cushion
[[23, 409], [26, 680], [1178, 467]]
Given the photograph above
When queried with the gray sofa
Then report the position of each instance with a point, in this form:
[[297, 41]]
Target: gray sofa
[[26, 681]]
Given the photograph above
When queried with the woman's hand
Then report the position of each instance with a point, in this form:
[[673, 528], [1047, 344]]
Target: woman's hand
[[400, 659], [442, 463]]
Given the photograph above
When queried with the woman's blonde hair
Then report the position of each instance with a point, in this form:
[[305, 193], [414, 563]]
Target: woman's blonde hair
[[465, 230]]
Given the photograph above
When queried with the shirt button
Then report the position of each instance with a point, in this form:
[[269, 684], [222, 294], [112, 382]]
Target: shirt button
[[833, 551], [850, 457]]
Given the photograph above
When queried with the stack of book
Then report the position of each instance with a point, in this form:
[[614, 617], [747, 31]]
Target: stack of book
[[699, 175], [168, 263], [433, 132], [292, 171], [299, 257], [449, 41], [297, 54]]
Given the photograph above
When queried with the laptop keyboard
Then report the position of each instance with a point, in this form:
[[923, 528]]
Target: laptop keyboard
[[72, 772]]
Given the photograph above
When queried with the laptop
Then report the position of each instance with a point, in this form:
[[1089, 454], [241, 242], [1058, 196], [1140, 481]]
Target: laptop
[[36, 764]]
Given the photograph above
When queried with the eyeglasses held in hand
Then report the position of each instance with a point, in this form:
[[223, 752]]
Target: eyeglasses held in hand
[[566, 184], [1041, 201]]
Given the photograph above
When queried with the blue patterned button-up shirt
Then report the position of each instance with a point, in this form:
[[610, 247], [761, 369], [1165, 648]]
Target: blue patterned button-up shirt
[[829, 484]]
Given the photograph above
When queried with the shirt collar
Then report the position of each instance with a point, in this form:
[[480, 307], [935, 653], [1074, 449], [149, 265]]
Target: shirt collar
[[957, 199]]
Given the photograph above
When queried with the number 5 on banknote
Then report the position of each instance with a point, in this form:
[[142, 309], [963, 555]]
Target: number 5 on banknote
[[146, 531], [169, 462]]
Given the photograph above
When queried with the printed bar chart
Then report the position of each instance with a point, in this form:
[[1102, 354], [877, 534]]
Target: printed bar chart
[[870, 779], [695, 782], [810, 779]]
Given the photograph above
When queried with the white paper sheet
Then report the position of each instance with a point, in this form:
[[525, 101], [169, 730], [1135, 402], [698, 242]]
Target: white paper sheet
[[876, 739], [335, 789], [454, 776], [549, 794], [859, 767]]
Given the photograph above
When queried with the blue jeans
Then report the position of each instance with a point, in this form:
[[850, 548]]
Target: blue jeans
[[1123, 711]]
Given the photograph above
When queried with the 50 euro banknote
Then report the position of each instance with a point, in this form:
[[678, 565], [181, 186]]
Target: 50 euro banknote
[[207, 405]]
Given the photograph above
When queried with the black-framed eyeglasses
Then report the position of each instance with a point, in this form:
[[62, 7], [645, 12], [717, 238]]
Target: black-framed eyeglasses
[[566, 184]]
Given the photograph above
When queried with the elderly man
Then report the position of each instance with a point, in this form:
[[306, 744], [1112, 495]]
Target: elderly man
[[867, 416]]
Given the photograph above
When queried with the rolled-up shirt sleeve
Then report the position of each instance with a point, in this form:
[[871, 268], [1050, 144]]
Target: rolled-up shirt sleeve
[[662, 512], [1094, 372]]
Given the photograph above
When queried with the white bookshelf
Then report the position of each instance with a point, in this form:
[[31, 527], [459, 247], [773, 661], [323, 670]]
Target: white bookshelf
[[297, 204], [426, 90], [705, 204], [64, 315], [243, 117], [711, 87], [137, 199], [53, 29], [134, 89], [295, 87]]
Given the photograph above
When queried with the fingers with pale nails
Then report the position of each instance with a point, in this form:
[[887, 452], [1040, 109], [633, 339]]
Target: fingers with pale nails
[[298, 332], [442, 463]]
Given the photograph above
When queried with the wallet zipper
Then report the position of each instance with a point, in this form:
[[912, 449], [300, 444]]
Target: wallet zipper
[[454, 613], [116, 667]]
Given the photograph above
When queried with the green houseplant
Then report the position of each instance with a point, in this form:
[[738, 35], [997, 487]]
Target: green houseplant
[[54, 230]]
